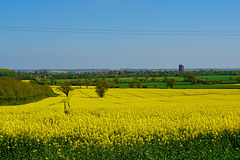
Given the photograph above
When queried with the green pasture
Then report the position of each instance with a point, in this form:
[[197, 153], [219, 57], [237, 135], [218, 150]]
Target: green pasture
[[125, 79], [228, 82], [218, 77]]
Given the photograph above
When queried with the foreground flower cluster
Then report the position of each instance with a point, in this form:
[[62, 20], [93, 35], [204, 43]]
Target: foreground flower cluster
[[127, 123]]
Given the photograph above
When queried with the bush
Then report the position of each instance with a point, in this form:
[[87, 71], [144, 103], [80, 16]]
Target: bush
[[14, 91], [131, 85], [102, 87]]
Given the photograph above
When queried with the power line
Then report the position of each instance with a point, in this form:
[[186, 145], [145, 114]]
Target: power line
[[125, 32], [113, 30]]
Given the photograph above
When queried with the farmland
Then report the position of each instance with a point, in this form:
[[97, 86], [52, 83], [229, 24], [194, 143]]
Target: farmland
[[227, 82], [126, 124]]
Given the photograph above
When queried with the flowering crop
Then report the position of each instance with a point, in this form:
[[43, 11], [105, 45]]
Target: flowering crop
[[126, 123]]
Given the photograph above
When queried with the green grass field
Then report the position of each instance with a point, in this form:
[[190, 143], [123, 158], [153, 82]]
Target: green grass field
[[125, 79], [220, 77], [228, 82]]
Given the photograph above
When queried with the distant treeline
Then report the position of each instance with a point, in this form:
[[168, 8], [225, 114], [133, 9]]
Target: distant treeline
[[44, 77], [14, 91], [7, 73], [115, 73]]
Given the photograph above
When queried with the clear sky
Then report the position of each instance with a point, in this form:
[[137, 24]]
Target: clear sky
[[49, 50]]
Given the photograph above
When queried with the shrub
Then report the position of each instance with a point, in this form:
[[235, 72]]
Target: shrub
[[14, 91]]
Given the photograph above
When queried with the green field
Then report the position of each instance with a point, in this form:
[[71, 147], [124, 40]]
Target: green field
[[228, 82], [217, 77], [125, 79]]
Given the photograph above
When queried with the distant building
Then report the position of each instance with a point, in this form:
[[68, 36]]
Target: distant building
[[181, 68]]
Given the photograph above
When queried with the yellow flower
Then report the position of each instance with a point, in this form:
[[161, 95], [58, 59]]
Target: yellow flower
[[124, 117]]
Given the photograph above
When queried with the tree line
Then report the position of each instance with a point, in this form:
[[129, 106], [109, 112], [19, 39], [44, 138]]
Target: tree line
[[112, 74], [89, 79], [44, 77], [103, 85], [14, 91], [7, 73]]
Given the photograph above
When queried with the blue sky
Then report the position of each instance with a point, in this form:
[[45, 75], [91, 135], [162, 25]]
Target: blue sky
[[49, 50]]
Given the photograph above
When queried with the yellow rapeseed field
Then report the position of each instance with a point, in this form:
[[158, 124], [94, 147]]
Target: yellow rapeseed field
[[124, 117]]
